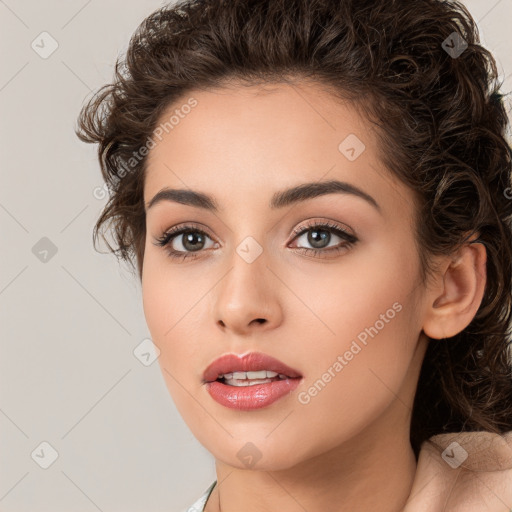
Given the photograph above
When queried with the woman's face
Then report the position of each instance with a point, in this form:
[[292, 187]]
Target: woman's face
[[347, 318]]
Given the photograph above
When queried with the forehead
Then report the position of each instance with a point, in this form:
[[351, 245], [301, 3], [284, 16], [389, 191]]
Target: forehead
[[264, 137]]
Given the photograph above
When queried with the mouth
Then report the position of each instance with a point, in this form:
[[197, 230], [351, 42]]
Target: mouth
[[250, 382], [248, 370]]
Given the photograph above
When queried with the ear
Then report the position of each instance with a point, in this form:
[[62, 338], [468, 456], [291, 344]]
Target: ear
[[455, 299]]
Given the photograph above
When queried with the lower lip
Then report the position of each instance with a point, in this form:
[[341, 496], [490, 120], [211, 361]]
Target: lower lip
[[248, 398]]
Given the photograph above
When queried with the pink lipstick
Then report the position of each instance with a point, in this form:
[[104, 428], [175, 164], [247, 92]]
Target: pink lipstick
[[250, 382]]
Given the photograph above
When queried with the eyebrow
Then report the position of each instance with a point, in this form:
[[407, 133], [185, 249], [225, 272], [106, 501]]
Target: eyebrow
[[280, 199]]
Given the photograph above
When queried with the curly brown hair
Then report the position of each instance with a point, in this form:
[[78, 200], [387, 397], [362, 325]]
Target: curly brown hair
[[416, 70]]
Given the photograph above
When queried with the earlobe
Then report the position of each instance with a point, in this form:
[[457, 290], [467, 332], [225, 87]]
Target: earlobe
[[454, 303]]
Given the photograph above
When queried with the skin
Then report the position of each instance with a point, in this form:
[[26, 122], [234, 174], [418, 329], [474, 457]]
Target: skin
[[240, 145]]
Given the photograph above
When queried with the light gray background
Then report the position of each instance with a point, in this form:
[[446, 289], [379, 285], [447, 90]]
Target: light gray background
[[69, 326]]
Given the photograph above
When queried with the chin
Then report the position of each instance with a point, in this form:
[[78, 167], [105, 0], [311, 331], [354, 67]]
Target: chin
[[256, 452]]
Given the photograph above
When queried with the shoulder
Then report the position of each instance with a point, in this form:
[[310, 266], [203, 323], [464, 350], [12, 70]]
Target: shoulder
[[463, 472]]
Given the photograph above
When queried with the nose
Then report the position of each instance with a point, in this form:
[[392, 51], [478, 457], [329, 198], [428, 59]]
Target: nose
[[247, 298]]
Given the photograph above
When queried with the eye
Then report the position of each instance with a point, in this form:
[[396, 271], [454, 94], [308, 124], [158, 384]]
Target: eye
[[319, 235], [188, 238], [183, 241]]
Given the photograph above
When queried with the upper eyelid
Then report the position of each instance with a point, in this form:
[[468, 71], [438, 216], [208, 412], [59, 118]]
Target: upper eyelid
[[323, 223], [174, 230]]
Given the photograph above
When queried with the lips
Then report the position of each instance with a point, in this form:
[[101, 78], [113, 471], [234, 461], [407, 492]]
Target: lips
[[252, 362]]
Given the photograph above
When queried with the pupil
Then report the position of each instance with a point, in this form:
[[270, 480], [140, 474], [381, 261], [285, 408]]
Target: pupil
[[191, 238], [315, 240]]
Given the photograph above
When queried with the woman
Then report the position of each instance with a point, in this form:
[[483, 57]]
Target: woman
[[317, 197]]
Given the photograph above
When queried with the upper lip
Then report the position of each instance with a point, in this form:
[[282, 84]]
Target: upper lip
[[251, 362]]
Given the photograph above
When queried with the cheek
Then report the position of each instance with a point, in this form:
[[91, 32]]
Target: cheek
[[170, 295], [168, 312], [367, 317], [343, 300], [175, 309]]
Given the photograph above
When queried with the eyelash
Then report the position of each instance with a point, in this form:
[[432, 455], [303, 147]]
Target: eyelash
[[349, 239]]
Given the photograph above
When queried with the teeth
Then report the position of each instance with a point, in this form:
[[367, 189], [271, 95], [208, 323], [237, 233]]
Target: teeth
[[262, 374], [253, 382], [250, 378]]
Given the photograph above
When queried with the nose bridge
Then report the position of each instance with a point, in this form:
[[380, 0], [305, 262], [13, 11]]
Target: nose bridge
[[246, 294]]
